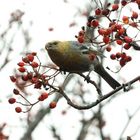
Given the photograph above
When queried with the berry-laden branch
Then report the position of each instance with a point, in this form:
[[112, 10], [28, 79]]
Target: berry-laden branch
[[114, 34], [29, 74]]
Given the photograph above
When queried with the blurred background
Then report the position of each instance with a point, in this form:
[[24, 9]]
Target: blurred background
[[26, 26]]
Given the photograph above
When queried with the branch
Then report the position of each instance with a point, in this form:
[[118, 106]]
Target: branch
[[130, 117], [80, 107], [42, 113]]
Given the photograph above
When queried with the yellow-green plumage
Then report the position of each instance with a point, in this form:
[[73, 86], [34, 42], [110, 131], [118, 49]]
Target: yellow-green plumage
[[72, 56]]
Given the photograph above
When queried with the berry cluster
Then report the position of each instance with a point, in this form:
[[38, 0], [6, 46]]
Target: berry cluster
[[114, 33], [30, 75]]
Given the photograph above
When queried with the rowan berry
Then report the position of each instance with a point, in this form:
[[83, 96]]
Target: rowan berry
[[34, 64], [80, 39], [43, 96], [13, 79], [106, 39], [118, 54], [105, 12], [113, 56], [128, 58], [52, 104], [98, 11], [18, 109], [25, 77], [119, 41], [123, 2], [22, 69], [30, 57], [115, 7], [123, 55], [134, 15], [108, 48], [95, 23], [21, 64], [127, 39], [122, 62], [25, 60], [126, 46], [50, 29], [125, 19], [12, 100]]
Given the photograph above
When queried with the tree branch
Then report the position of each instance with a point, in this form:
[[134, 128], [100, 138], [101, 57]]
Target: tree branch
[[82, 107]]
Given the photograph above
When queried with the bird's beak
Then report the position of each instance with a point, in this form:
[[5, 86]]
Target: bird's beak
[[48, 47]]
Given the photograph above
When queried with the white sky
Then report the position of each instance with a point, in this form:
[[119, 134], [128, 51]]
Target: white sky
[[57, 14]]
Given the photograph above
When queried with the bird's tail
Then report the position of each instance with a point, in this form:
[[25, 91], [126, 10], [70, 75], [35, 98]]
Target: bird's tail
[[106, 76]]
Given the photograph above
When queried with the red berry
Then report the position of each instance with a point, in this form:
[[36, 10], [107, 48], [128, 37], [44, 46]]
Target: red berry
[[108, 31], [38, 85], [80, 39], [50, 29], [15, 91], [123, 55], [118, 54], [105, 12], [40, 98], [12, 100], [18, 109], [126, 46], [21, 64], [123, 2], [102, 31], [138, 2], [98, 11], [113, 56], [81, 33], [34, 80], [121, 31], [25, 77], [30, 57], [21, 69], [43, 96], [134, 15], [106, 39], [52, 104], [119, 42], [12, 78], [128, 58], [25, 60], [95, 23], [118, 26], [122, 62], [115, 7], [30, 75], [125, 19], [34, 64], [128, 39], [108, 48]]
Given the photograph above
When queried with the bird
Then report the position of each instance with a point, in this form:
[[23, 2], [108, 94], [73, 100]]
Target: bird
[[75, 57]]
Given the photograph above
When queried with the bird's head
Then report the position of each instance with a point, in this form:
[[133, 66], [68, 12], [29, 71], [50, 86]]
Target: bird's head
[[51, 45]]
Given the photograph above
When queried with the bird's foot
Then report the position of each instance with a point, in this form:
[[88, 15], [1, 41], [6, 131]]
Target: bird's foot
[[87, 78], [127, 87]]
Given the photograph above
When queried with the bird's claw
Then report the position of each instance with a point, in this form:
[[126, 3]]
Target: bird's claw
[[126, 87], [87, 78]]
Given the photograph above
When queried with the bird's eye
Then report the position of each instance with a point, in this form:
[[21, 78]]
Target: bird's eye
[[55, 43]]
